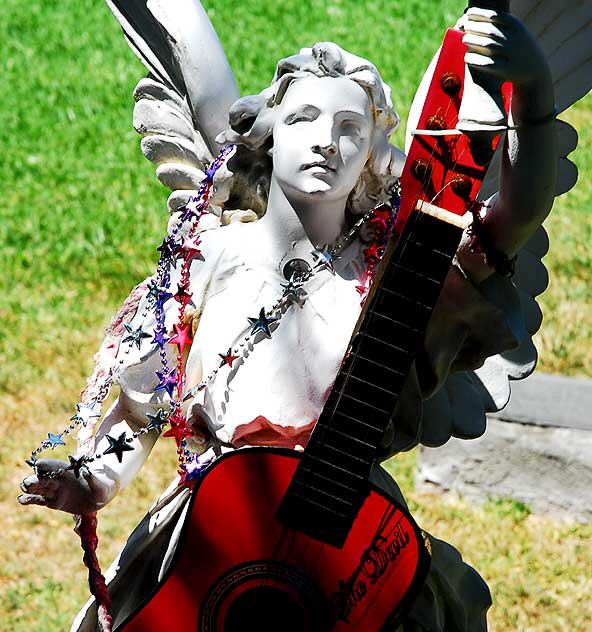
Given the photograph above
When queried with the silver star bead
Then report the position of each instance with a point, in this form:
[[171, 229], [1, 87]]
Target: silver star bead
[[135, 335], [85, 414], [324, 260]]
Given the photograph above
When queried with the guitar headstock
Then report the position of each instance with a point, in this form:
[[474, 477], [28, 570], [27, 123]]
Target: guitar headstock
[[445, 167]]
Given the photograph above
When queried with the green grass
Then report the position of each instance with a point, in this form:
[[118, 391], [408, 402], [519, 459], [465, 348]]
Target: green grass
[[80, 215]]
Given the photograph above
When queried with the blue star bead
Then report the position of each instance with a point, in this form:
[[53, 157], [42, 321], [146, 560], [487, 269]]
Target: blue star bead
[[135, 336], [325, 259], [193, 470], [118, 446], [55, 439], [159, 338], [162, 298], [262, 323], [168, 381]]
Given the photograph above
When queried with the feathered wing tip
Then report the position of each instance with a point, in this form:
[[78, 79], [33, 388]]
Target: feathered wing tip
[[564, 31], [183, 104]]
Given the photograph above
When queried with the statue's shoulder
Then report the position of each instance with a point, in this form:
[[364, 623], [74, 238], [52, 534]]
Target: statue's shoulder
[[232, 244]]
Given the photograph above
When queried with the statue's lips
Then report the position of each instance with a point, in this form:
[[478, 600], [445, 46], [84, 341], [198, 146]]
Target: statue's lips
[[318, 165]]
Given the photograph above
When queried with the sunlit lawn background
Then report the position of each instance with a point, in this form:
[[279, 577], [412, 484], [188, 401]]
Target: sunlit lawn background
[[81, 214]]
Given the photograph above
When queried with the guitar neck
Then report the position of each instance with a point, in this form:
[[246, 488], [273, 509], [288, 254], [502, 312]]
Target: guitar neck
[[329, 485]]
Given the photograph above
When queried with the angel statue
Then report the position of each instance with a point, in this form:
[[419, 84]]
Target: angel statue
[[281, 206]]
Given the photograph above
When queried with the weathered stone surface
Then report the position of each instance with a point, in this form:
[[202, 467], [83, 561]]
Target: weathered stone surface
[[551, 400], [548, 468]]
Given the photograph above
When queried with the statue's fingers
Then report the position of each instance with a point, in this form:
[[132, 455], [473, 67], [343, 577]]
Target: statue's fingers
[[485, 29], [33, 499], [488, 15], [482, 44], [35, 485], [493, 65]]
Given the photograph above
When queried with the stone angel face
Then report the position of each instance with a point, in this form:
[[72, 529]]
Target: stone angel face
[[321, 137], [325, 121]]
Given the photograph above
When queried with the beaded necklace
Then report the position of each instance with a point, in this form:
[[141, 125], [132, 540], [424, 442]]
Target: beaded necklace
[[184, 246]]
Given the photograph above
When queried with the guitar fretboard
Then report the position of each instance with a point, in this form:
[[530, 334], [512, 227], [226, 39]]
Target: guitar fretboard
[[331, 481]]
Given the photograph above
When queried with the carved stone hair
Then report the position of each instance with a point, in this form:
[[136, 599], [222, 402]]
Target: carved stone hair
[[246, 182]]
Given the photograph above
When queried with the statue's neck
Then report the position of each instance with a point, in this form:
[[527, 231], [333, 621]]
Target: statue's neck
[[298, 225]]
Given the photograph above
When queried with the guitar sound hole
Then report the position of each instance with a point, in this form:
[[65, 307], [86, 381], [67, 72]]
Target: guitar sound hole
[[266, 609]]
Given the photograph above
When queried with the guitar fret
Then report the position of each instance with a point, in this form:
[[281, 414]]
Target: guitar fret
[[333, 465], [324, 495], [422, 260], [402, 308], [391, 318], [352, 401], [346, 424], [362, 389], [324, 508], [363, 334], [407, 299], [306, 473], [388, 333], [343, 442], [383, 377]]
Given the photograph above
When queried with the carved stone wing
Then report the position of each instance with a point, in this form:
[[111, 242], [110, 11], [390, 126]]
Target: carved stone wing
[[183, 104]]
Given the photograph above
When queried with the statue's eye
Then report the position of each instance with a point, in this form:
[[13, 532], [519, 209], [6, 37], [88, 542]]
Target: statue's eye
[[302, 115]]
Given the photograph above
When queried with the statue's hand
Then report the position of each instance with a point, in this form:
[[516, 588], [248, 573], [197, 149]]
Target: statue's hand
[[500, 45], [77, 495]]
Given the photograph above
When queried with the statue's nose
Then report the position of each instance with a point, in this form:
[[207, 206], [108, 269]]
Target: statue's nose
[[326, 150]]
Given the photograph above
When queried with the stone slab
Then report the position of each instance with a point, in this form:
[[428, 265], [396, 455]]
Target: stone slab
[[547, 468], [550, 400]]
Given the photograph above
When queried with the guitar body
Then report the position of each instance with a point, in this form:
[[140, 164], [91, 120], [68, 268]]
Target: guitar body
[[237, 567]]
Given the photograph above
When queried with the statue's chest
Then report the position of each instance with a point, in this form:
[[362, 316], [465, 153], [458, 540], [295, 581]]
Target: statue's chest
[[287, 374]]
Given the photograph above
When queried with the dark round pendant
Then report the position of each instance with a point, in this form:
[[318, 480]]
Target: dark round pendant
[[296, 270]]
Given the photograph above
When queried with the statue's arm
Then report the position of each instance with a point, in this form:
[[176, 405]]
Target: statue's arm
[[500, 45], [100, 480]]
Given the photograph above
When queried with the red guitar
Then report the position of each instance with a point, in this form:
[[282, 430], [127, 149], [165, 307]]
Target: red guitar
[[317, 547]]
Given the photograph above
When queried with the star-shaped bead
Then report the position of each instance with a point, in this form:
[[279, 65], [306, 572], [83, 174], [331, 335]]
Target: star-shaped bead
[[162, 298], [54, 439], [167, 251], [84, 414], [153, 290], [191, 247], [156, 422], [262, 323], [292, 291], [182, 295], [159, 338], [193, 207], [168, 381], [179, 429], [181, 336], [135, 336], [324, 260], [76, 464], [193, 470], [228, 358], [373, 252], [118, 446]]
